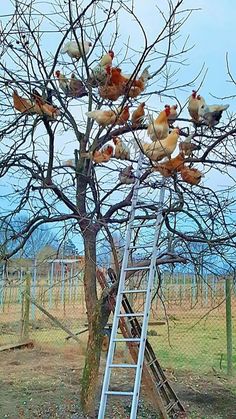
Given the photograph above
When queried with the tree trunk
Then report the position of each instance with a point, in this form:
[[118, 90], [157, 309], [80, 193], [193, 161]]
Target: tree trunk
[[95, 326]]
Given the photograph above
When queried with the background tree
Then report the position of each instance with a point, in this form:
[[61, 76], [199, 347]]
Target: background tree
[[44, 164]]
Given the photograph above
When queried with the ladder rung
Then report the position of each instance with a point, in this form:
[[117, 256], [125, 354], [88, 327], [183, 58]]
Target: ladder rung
[[119, 393], [131, 315], [133, 291], [151, 362], [137, 268], [127, 340], [122, 366]]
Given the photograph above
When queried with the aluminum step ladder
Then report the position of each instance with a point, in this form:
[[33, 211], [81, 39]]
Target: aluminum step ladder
[[163, 396], [143, 315]]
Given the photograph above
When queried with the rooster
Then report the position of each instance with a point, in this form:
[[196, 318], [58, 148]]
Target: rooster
[[126, 176], [76, 50], [121, 151], [103, 155], [64, 83], [169, 167], [159, 128], [98, 76], [173, 114], [162, 148], [123, 116], [103, 118], [138, 114], [212, 114], [194, 103]]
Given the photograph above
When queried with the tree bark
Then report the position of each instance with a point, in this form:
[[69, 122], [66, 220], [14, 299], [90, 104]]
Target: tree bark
[[97, 318]]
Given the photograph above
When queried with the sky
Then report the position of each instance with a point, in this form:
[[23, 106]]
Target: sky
[[209, 29]]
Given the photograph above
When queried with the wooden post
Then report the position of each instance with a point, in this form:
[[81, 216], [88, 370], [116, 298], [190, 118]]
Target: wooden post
[[25, 311], [228, 325]]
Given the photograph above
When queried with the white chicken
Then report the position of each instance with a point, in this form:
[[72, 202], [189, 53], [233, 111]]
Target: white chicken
[[76, 50], [194, 104], [103, 118], [162, 148], [212, 114]]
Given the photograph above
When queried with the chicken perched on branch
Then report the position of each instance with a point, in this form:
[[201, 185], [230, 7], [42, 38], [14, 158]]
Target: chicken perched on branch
[[123, 115], [36, 106], [121, 150], [212, 114], [173, 114], [103, 118], [159, 128], [187, 147], [98, 75], [126, 176], [169, 167], [194, 104], [191, 175], [162, 148], [76, 50], [138, 86], [138, 115], [103, 155], [71, 87]]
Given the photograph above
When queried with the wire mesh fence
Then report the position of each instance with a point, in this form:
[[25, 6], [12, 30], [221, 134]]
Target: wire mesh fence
[[187, 326]]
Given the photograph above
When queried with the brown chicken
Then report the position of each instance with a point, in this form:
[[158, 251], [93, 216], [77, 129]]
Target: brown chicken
[[138, 114], [159, 128], [121, 151], [23, 105], [169, 167], [109, 92], [100, 156], [191, 175], [159, 149], [187, 147], [126, 176], [44, 108], [123, 116]]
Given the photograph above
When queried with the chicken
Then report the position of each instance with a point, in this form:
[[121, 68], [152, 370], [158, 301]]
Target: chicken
[[139, 85], [115, 76], [100, 156], [23, 105], [126, 176], [36, 106], [43, 108], [169, 167], [194, 103], [76, 50], [64, 83], [98, 76], [110, 92], [138, 114], [107, 59], [191, 175], [211, 114], [70, 162], [103, 118], [123, 115], [121, 150], [159, 128], [187, 147], [76, 88], [162, 148], [173, 114]]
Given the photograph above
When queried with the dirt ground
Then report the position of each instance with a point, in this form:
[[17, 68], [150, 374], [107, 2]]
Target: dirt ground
[[43, 383]]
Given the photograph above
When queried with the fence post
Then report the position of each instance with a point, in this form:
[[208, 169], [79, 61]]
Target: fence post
[[25, 309], [228, 325]]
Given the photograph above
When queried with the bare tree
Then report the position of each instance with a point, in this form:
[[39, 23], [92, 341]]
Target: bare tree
[[48, 123]]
